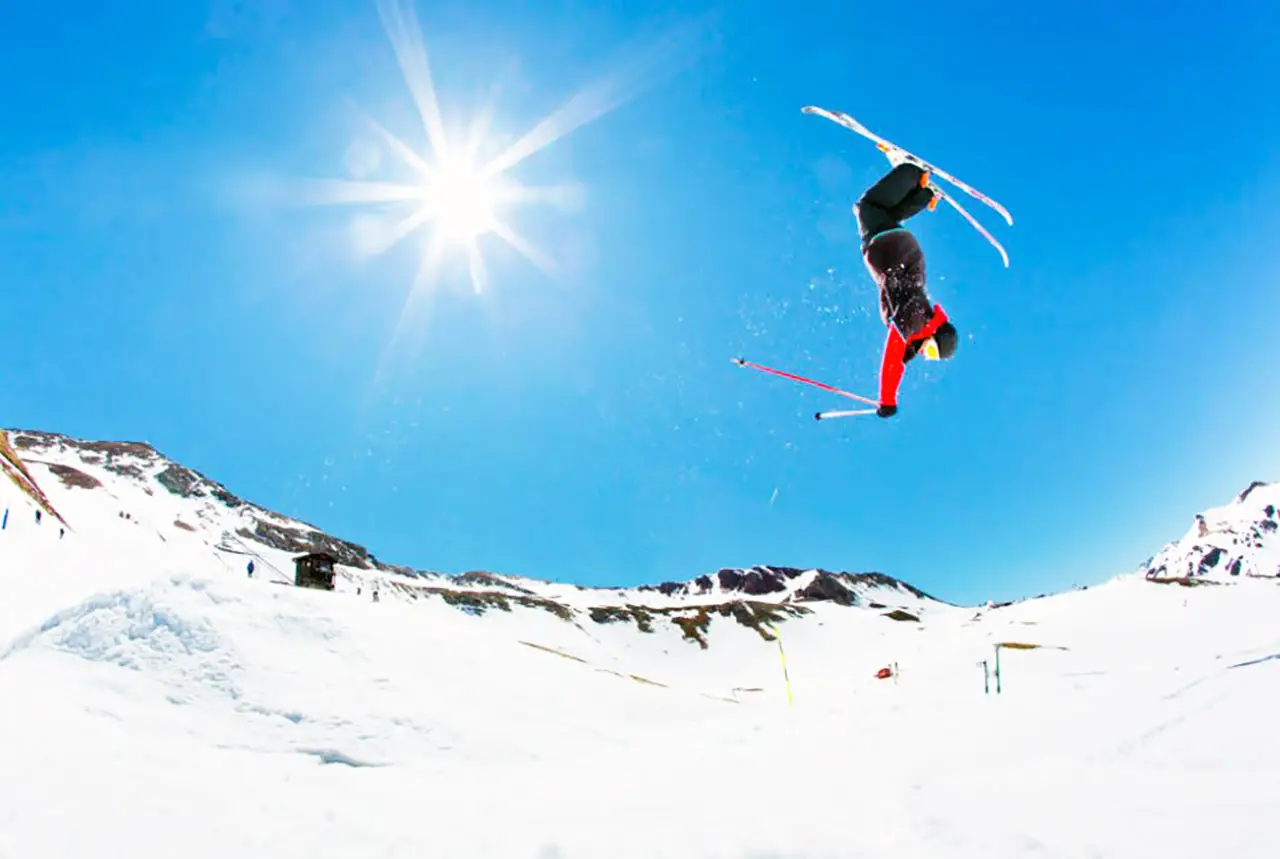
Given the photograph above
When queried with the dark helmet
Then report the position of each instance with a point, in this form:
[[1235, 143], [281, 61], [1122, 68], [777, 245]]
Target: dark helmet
[[946, 339]]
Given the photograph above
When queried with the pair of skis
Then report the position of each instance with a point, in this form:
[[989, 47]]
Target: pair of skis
[[891, 150]]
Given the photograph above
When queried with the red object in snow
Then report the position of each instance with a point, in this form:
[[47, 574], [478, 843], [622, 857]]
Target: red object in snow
[[884, 673]]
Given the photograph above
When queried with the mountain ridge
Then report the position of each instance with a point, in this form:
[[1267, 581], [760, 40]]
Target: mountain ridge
[[142, 480], [1223, 542]]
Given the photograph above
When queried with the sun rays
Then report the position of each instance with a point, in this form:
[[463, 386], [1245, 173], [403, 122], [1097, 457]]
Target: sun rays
[[453, 199], [459, 200]]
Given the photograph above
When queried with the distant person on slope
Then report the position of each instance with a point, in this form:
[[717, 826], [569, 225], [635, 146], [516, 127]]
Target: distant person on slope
[[895, 260]]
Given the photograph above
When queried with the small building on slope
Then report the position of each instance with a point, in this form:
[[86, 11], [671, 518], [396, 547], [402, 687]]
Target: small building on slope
[[314, 570]]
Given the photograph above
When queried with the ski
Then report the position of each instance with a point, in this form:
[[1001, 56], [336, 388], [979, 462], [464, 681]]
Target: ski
[[742, 362], [853, 125], [1004, 255]]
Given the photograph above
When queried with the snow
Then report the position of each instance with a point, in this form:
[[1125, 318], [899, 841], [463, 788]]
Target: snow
[[157, 701]]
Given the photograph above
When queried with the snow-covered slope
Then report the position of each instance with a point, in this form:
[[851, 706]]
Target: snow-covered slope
[[158, 701]]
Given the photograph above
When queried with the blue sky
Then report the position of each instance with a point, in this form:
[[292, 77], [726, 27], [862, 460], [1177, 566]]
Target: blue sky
[[588, 425]]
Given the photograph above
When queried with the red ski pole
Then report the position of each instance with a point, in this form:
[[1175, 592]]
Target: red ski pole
[[742, 362]]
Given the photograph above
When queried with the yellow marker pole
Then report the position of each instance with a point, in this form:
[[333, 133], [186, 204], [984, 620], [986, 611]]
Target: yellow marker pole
[[783, 654]]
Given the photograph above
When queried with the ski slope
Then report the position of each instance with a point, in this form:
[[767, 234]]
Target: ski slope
[[157, 701]]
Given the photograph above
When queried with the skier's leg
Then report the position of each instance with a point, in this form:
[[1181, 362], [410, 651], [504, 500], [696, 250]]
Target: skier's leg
[[877, 209]]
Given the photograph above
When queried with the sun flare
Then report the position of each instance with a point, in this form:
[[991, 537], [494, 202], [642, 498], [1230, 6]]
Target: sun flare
[[457, 193], [451, 196], [462, 201]]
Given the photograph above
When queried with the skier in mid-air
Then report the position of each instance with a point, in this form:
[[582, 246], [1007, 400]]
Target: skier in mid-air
[[916, 325], [895, 260]]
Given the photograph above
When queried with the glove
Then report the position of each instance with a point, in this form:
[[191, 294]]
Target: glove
[[886, 411]]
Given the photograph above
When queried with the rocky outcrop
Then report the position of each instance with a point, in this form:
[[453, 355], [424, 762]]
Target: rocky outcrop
[[694, 621], [287, 539], [11, 463], [189, 483], [828, 588], [74, 477], [1225, 543], [760, 581], [1244, 496], [481, 578]]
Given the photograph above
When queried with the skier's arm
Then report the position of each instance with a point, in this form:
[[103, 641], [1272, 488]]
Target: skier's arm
[[892, 366]]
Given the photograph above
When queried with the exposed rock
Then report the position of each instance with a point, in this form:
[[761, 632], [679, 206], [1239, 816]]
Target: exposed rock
[[180, 481], [119, 457], [899, 614], [828, 588], [476, 602], [396, 569], [480, 577], [188, 483], [615, 614], [288, 540], [23, 441], [1243, 496], [125, 469], [694, 627], [758, 615], [219, 492], [1189, 581], [74, 477], [1210, 559], [765, 580], [756, 582], [694, 620], [137, 449]]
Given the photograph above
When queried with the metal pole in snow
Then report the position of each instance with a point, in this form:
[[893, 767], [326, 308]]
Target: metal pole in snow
[[782, 653]]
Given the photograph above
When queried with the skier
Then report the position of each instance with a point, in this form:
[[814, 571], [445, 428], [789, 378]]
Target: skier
[[896, 262]]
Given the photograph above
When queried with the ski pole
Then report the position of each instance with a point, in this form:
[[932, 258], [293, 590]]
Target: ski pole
[[742, 362], [822, 416]]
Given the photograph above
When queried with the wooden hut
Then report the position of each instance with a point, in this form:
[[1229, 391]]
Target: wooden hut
[[314, 570]]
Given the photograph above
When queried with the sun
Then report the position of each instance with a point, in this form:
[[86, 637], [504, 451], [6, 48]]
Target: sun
[[461, 200], [458, 196], [451, 197]]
